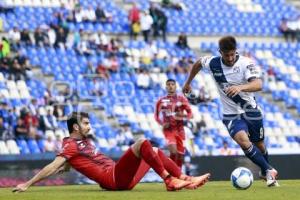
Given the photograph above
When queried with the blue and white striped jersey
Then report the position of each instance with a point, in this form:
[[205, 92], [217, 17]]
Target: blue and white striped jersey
[[240, 73]]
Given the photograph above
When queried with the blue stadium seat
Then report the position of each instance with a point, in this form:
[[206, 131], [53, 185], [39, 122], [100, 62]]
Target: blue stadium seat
[[23, 146]]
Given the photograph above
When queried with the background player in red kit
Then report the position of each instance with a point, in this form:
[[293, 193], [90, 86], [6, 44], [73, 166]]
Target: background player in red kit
[[174, 109], [80, 154]]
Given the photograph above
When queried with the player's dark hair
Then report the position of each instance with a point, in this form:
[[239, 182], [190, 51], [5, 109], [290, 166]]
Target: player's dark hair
[[227, 43], [75, 118], [170, 80]]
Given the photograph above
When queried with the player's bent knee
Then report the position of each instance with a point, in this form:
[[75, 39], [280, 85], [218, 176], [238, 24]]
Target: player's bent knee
[[140, 141], [155, 149]]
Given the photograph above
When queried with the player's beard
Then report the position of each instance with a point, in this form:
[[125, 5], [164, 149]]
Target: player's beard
[[84, 135]]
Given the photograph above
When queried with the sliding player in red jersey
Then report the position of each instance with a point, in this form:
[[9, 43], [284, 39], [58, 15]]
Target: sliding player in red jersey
[[79, 153]]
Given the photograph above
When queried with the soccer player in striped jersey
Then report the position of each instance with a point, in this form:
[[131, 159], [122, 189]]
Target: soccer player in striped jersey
[[238, 78]]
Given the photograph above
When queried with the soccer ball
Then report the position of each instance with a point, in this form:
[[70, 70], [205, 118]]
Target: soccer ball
[[241, 178]]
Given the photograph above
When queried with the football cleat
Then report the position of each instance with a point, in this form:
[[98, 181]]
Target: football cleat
[[271, 178], [174, 184], [197, 181]]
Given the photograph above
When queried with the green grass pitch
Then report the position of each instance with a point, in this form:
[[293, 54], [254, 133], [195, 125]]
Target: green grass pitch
[[289, 190]]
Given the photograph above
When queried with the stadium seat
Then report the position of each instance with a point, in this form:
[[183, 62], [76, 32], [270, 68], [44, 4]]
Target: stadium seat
[[33, 146]]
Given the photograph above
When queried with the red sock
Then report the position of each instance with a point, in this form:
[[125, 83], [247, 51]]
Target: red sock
[[169, 164], [151, 158], [179, 160]]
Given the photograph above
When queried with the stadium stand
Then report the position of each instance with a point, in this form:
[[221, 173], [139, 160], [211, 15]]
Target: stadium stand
[[111, 85]]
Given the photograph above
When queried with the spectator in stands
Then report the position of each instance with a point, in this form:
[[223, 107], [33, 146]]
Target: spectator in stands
[[58, 143], [201, 125], [49, 145], [21, 131], [70, 94], [90, 69], [182, 66], [143, 80], [50, 121], [61, 38], [25, 37], [93, 41], [114, 63], [28, 69], [226, 151], [83, 48], [14, 36], [89, 14], [3, 130], [17, 72], [132, 63], [47, 98], [288, 29], [160, 63], [102, 16], [4, 66], [4, 47], [146, 24], [174, 4], [3, 109], [162, 24], [200, 96], [33, 107], [98, 87], [111, 63], [31, 123], [11, 119], [134, 21], [103, 71], [153, 10], [113, 46], [160, 21], [58, 112], [271, 74], [78, 14], [77, 36], [103, 41], [51, 35], [182, 41], [124, 136], [40, 37]]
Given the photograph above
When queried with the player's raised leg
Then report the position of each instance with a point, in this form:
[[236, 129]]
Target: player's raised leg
[[256, 135], [255, 155], [175, 171], [142, 149]]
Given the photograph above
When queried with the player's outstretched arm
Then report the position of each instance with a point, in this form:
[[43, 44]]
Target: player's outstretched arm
[[47, 171], [195, 69]]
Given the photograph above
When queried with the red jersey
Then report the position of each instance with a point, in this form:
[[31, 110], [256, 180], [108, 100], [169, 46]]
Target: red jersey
[[172, 109], [83, 157]]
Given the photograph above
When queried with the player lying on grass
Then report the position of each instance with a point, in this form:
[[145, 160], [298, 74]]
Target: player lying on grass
[[79, 153]]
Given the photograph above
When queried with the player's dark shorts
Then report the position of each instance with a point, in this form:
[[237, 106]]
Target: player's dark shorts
[[250, 122]]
